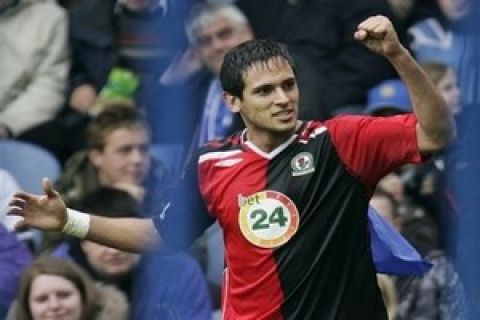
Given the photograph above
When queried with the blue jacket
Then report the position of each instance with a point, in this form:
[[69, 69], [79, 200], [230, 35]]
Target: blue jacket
[[170, 287], [14, 257], [161, 287], [433, 41]]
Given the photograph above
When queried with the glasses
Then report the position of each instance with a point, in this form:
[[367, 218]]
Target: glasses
[[222, 34]]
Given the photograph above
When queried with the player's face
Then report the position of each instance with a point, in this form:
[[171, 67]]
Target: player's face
[[109, 262], [125, 157], [217, 38], [54, 298], [269, 106]]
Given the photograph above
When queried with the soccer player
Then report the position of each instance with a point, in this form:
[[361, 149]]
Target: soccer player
[[291, 196]]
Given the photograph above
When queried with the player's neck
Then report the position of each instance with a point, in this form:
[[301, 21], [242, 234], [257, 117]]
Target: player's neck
[[269, 141]]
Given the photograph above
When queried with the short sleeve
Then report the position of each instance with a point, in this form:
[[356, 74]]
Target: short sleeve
[[371, 147]]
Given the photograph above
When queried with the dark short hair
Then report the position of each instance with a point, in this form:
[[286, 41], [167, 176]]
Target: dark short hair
[[109, 202], [243, 56], [114, 117]]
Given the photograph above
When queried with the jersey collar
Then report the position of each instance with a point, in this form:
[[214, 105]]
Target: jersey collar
[[267, 155]]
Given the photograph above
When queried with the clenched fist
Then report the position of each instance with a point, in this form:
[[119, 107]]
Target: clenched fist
[[378, 34]]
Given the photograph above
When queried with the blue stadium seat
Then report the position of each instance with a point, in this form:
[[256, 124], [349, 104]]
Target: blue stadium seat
[[29, 164]]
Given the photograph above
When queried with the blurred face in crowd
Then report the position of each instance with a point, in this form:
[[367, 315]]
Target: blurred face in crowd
[[393, 184], [138, 4], [109, 262], [269, 104], [454, 9], [125, 157], [448, 87], [401, 7], [54, 298], [214, 40], [385, 208]]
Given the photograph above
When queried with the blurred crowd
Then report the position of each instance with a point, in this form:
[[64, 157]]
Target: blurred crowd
[[120, 94]]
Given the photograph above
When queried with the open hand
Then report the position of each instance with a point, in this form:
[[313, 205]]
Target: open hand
[[45, 212], [377, 34]]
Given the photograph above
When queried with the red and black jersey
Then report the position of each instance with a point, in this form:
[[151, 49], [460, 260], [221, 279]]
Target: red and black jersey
[[294, 220]]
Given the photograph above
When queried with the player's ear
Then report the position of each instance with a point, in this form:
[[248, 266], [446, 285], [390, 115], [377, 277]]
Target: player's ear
[[233, 102]]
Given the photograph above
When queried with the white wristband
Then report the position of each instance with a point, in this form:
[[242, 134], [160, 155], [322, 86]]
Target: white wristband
[[78, 223]]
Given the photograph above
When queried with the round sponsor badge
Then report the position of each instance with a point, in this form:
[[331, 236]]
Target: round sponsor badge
[[268, 219]]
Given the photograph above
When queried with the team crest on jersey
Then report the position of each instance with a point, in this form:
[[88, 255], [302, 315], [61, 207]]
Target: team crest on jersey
[[268, 219], [302, 164]]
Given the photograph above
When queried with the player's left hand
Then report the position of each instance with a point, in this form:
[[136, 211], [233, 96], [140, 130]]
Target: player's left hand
[[378, 34], [45, 212]]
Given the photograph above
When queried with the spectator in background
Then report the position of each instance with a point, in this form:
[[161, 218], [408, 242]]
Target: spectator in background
[[334, 70], [93, 54], [411, 11], [58, 289], [438, 294], [402, 8], [34, 62], [212, 30], [428, 184], [117, 155], [393, 184], [101, 262], [133, 37], [150, 34], [407, 185], [147, 280], [445, 79], [439, 38], [388, 98]]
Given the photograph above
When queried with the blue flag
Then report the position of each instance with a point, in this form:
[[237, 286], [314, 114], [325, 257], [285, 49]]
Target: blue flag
[[391, 252]]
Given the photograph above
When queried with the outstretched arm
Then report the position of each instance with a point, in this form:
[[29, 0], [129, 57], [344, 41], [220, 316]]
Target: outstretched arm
[[49, 213], [435, 126]]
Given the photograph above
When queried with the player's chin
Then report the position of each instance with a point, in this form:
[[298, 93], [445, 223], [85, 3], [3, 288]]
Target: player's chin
[[289, 122]]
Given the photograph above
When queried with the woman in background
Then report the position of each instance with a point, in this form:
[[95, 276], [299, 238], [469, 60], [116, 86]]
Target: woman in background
[[58, 289]]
